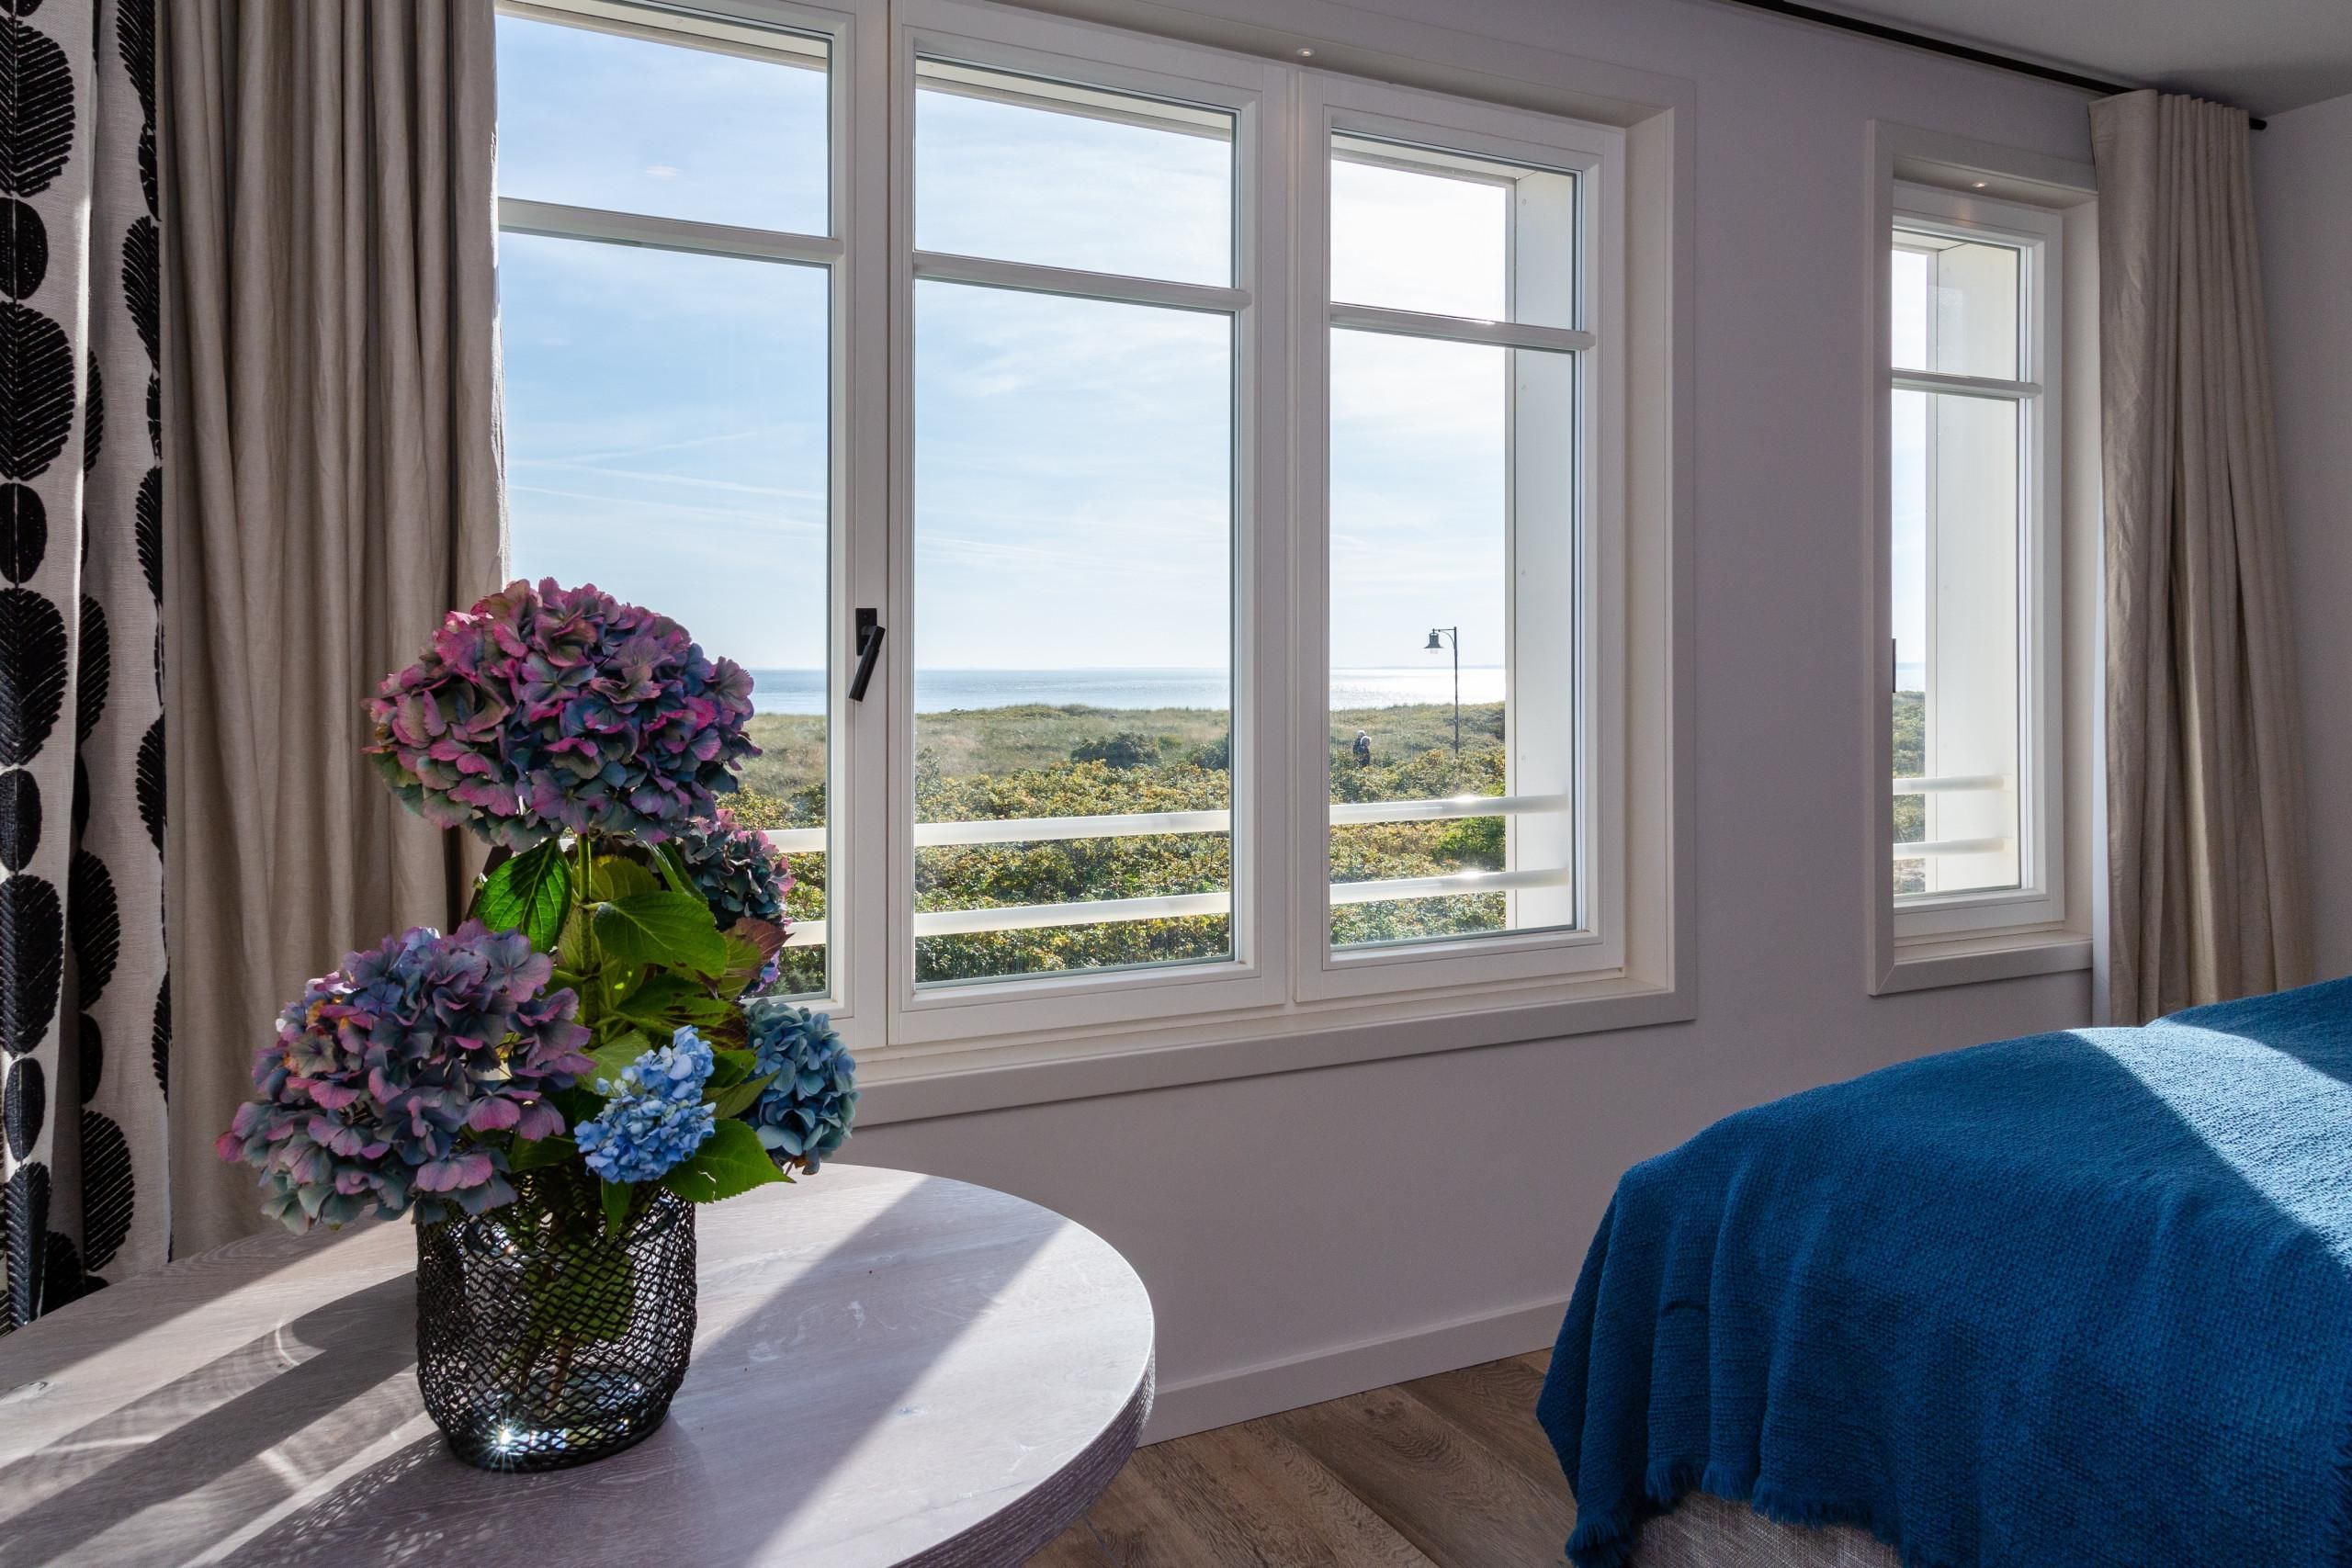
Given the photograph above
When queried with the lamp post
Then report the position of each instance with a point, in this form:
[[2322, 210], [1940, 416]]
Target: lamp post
[[1453, 635]]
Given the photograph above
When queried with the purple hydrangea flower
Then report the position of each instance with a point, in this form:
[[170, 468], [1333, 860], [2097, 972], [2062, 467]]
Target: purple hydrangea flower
[[385, 1067], [561, 708], [736, 869], [804, 1115], [655, 1117]]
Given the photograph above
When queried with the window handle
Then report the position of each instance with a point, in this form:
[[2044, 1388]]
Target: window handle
[[869, 648]]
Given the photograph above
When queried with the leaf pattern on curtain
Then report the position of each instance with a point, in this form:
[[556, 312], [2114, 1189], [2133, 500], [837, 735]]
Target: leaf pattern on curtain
[[82, 1157]]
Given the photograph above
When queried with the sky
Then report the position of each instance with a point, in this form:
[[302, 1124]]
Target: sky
[[666, 431]]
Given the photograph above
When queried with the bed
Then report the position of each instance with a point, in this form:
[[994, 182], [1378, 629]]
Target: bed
[[2081, 1297]]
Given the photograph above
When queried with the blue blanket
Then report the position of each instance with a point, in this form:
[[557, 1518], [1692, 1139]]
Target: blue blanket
[[2077, 1299]]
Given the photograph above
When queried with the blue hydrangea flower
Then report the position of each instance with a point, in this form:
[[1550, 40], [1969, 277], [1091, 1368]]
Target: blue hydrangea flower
[[804, 1115], [654, 1117], [738, 873]]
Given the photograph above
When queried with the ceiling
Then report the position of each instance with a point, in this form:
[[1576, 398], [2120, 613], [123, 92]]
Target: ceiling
[[2266, 56]]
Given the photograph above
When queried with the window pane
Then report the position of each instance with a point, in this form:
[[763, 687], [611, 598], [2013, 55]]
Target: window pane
[[666, 440], [1955, 705], [1443, 233], [1020, 170], [1425, 554], [1073, 518], [706, 129], [1955, 305]]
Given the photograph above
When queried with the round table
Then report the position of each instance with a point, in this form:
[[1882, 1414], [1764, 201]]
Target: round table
[[890, 1370]]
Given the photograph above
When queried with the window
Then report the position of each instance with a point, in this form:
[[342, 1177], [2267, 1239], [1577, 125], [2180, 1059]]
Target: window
[[1175, 418], [1972, 661], [1073, 521], [666, 310], [1462, 378]]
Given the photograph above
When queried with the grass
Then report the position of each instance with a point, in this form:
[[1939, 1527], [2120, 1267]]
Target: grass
[[967, 744]]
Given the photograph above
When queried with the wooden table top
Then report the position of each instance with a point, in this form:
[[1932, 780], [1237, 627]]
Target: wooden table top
[[890, 1370]]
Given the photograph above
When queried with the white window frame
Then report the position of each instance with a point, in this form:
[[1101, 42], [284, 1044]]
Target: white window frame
[[1595, 945], [1020, 43], [1283, 999], [1932, 184], [855, 562]]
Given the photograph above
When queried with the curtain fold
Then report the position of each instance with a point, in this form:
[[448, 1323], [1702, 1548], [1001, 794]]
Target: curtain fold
[[330, 402], [84, 1036], [2205, 813]]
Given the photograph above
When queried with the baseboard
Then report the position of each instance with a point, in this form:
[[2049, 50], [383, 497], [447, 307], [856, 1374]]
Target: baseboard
[[1219, 1399]]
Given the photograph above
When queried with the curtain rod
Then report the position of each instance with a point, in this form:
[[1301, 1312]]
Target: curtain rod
[[1944, 46]]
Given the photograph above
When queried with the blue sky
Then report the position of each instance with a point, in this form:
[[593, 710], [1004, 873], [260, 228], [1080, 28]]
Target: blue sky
[[666, 413]]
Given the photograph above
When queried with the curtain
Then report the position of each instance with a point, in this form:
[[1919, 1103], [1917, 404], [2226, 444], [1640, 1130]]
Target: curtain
[[2205, 812], [84, 1029], [330, 403]]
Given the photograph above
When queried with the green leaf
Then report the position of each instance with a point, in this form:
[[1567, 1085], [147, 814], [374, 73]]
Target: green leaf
[[578, 1103], [729, 1162], [673, 866], [536, 1154], [618, 1196], [617, 876], [613, 1059], [660, 928], [670, 1000], [530, 892], [728, 1068], [729, 1103]]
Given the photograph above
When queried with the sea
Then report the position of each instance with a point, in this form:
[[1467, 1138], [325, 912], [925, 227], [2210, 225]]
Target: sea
[[936, 691]]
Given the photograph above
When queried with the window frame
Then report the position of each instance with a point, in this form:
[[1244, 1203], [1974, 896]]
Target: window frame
[[997, 39], [2037, 392], [1030, 1038], [1595, 947], [1930, 182], [855, 565]]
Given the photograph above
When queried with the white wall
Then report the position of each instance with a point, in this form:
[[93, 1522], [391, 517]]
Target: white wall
[[1436, 1208], [2302, 170]]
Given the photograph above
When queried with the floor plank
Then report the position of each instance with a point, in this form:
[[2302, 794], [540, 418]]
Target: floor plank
[[1276, 1508], [1140, 1526], [1445, 1471], [1496, 1405], [1074, 1547], [1436, 1487], [1540, 1360]]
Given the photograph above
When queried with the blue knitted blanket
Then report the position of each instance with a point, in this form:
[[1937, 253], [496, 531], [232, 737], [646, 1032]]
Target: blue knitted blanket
[[2078, 1299]]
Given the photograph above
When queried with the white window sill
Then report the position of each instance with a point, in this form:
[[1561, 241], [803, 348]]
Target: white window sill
[[903, 1087], [1928, 963]]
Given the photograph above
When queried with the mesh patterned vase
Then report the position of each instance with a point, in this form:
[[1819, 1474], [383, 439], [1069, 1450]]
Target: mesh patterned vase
[[544, 1342]]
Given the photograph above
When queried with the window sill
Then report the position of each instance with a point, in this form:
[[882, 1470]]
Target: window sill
[[904, 1087], [1929, 963]]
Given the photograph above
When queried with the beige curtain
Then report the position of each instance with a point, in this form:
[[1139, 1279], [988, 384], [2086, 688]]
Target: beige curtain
[[330, 414], [2205, 815]]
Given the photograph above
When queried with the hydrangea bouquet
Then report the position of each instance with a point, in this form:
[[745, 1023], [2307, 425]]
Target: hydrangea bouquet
[[592, 1043]]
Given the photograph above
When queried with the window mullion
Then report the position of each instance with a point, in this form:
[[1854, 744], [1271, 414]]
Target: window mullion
[[1457, 329], [1963, 386], [560, 221], [1029, 279]]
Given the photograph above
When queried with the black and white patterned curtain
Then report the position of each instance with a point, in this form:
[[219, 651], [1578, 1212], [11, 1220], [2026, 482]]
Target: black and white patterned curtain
[[84, 1011]]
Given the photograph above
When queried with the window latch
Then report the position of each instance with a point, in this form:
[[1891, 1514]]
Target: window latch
[[869, 648]]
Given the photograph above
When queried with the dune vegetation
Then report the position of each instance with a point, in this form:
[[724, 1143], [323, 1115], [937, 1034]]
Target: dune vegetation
[[1039, 760]]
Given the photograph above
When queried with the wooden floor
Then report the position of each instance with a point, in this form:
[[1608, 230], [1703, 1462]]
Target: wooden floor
[[1448, 1472]]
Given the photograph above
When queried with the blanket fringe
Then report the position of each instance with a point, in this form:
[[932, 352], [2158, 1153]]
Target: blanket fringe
[[1608, 1541]]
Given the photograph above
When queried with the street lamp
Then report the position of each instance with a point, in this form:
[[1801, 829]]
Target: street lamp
[[1452, 635]]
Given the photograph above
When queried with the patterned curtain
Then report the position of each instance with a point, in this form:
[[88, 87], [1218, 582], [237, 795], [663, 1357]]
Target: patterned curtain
[[84, 1011]]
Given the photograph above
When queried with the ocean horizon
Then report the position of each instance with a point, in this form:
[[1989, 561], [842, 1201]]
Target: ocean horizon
[[938, 691]]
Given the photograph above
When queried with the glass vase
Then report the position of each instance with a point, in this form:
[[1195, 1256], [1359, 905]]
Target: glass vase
[[543, 1339]]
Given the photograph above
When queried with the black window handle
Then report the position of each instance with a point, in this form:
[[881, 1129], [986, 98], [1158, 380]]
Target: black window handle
[[869, 648]]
